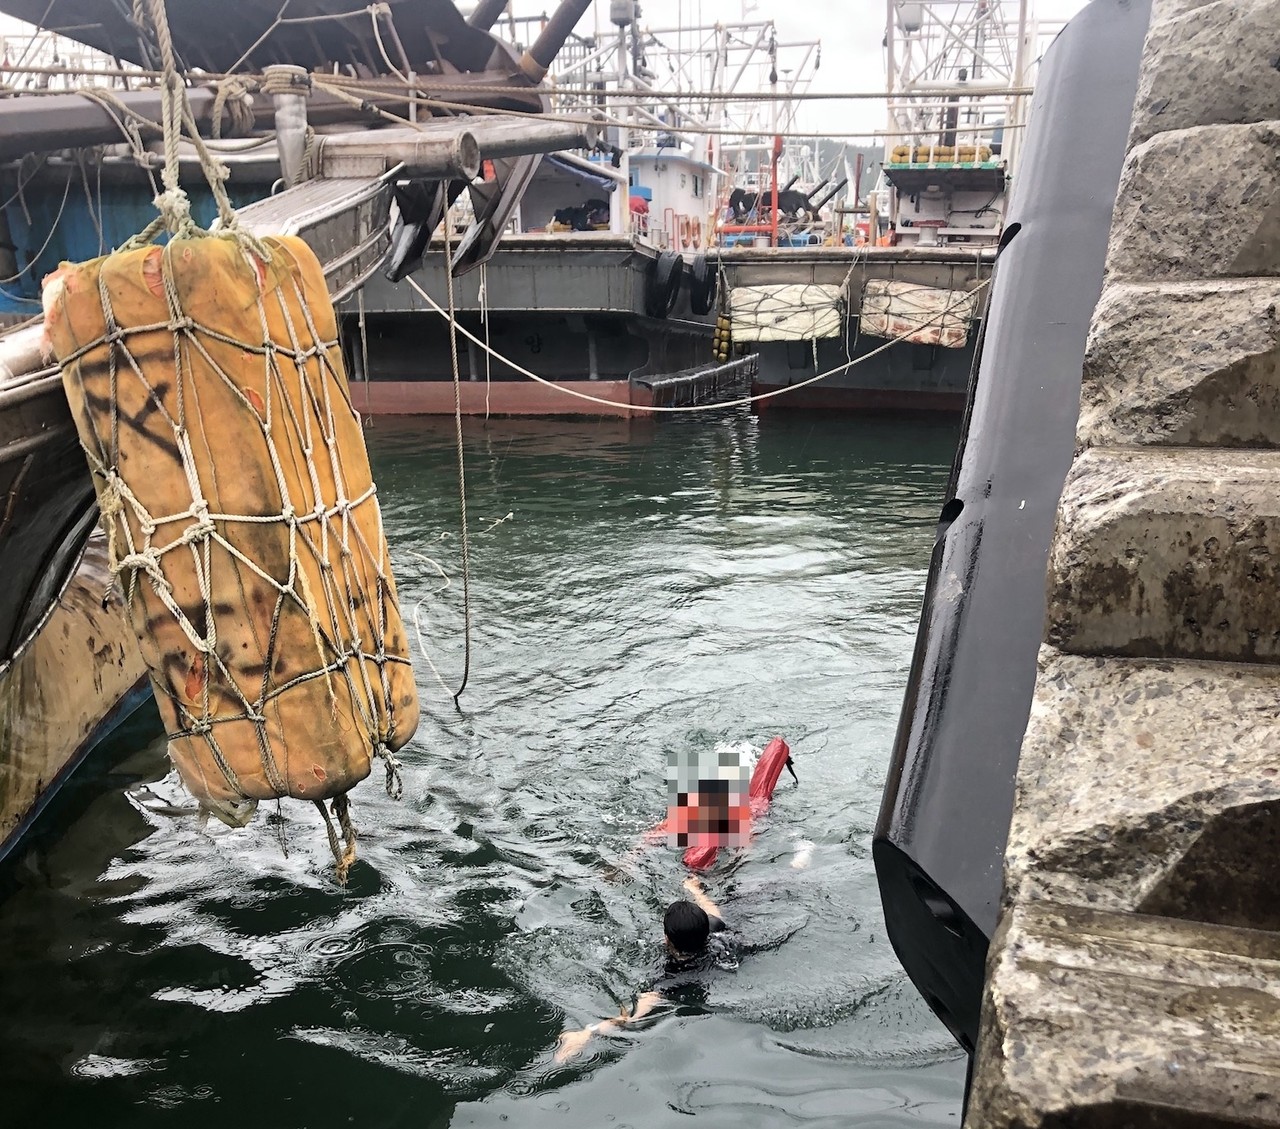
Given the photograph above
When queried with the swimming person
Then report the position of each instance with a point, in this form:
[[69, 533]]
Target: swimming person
[[707, 815], [687, 927]]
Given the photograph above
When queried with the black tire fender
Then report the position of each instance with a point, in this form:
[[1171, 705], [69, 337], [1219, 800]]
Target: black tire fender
[[704, 282], [662, 284]]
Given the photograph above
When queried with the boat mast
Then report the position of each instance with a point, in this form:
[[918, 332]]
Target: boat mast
[[623, 14], [966, 57]]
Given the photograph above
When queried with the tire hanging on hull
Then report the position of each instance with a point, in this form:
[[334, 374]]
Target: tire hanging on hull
[[662, 284]]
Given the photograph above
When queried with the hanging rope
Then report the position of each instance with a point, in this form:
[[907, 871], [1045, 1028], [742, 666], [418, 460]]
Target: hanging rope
[[462, 468], [176, 116]]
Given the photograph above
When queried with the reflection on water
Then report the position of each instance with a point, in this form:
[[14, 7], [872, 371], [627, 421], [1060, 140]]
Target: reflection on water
[[657, 586]]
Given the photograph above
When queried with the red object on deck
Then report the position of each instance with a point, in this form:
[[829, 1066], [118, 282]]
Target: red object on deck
[[764, 779]]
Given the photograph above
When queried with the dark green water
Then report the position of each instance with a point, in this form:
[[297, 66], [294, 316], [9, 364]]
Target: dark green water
[[664, 586]]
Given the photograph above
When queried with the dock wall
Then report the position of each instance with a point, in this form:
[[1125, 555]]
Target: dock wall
[[1134, 978]]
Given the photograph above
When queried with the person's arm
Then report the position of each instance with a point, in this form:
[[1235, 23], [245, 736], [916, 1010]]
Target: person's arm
[[699, 895], [571, 1042]]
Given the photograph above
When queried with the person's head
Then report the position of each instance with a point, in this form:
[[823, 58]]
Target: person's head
[[687, 928]]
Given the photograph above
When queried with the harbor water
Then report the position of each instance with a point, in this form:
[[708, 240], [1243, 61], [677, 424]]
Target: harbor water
[[637, 589]]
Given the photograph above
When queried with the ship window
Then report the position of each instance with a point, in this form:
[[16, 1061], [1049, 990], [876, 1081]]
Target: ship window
[[683, 180], [697, 186]]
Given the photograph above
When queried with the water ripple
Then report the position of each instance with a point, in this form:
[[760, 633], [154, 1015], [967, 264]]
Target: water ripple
[[657, 588]]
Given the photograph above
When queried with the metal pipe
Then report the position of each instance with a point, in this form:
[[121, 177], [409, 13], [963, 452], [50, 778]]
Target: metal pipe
[[289, 87], [453, 153], [516, 139], [608, 172], [620, 204], [72, 121], [487, 13], [830, 195], [535, 61], [890, 74]]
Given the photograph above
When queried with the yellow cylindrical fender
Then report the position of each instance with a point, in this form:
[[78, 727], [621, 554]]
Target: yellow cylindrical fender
[[208, 390]]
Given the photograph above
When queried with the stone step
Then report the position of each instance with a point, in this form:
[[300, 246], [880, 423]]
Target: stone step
[[1199, 203], [1152, 786], [1100, 1019], [1184, 364], [1214, 64], [1168, 553]]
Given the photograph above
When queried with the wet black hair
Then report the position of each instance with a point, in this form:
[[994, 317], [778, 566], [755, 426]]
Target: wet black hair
[[687, 927]]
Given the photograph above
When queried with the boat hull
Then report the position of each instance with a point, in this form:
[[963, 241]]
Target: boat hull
[[862, 401], [76, 679], [498, 398]]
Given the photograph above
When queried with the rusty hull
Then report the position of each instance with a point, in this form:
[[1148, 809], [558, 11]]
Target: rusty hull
[[73, 681]]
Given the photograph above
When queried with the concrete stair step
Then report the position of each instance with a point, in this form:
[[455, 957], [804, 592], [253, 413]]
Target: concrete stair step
[[1169, 552]]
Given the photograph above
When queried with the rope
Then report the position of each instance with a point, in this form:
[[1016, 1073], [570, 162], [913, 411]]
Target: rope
[[376, 10], [613, 405], [232, 98], [53, 230], [176, 115], [49, 238], [417, 615], [346, 89], [94, 213], [484, 320], [345, 854], [462, 468]]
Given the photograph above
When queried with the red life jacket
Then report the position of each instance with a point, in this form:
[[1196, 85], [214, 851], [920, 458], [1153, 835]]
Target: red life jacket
[[764, 778]]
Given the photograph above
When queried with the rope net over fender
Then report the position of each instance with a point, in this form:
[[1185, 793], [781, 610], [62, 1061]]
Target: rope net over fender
[[207, 386]]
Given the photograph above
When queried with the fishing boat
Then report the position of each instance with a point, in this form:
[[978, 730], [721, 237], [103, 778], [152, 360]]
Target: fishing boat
[[895, 280], [705, 231], [321, 135]]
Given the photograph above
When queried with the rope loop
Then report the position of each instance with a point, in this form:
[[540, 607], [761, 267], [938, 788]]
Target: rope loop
[[395, 784], [232, 98], [282, 79]]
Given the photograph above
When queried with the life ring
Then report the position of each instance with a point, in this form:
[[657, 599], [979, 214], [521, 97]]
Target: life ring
[[662, 284], [695, 232], [686, 232], [704, 280]]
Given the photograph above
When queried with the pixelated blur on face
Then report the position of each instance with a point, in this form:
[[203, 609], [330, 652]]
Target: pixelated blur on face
[[707, 802]]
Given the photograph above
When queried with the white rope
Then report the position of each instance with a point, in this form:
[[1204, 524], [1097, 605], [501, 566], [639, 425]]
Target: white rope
[[375, 10], [484, 320], [614, 405], [417, 614]]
